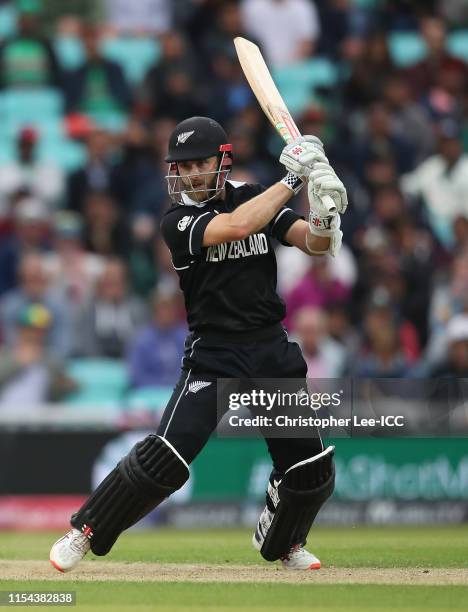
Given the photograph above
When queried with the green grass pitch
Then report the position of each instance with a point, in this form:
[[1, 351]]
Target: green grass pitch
[[404, 566]]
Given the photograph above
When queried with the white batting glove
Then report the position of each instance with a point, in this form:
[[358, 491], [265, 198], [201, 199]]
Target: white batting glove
[[326, 227], [301, 155], [324, 182], [323, 225]]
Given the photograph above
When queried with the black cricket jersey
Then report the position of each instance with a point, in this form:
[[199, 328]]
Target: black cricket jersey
[[229, 286]]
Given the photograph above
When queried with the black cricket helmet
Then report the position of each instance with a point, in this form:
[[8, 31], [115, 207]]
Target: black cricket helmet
[[194, 139]]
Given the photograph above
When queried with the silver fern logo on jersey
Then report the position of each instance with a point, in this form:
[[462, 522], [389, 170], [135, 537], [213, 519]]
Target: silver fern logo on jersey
[[184, 223], [183, 137], [197, 385]]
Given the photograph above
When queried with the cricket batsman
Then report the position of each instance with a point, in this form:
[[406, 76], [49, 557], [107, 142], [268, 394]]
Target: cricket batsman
[[219, 233]]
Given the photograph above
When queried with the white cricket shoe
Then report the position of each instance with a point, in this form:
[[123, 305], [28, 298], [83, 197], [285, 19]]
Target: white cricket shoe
[[299, 558], [67, 552]]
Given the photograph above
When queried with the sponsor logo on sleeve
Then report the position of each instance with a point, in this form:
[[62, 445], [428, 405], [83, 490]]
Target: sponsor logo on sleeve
[[184, 223]]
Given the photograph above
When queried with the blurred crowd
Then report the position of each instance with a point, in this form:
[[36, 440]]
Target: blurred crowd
[[83, 270]]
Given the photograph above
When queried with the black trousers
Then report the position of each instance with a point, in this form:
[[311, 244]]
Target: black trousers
[[191, 414]]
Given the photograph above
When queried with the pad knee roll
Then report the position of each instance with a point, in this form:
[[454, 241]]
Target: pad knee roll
[[303, 490], [150, 472]]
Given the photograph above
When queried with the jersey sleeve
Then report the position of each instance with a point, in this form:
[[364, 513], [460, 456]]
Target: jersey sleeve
[[283, 219], [183, 231], [281, 223]]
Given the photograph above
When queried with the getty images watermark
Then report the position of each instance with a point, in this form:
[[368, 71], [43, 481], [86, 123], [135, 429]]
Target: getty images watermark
[[336, 407], [316, 401]]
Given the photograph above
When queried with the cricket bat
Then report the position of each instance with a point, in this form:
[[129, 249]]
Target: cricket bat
[[257, 74]]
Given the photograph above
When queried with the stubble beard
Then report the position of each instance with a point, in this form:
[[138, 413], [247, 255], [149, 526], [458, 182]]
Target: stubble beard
[[203, 191]]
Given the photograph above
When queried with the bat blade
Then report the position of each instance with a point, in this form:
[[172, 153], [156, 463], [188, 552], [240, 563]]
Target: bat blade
[[263, 87]]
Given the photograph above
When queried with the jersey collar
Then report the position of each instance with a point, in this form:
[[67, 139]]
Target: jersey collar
[[186, 201]]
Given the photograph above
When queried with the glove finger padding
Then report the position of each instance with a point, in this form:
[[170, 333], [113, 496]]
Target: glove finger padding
[[314, 140], [321, 168], [300, 156], [322, 183], [315, 200]]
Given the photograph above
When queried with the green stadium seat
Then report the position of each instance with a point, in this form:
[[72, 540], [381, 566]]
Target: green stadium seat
[[297, 100], [111, 121], [314, 72], [135, 55], [103, 382], [406, 48], [41, 109], [298, 81], [7, 21], [69, 52], [48, 127], [152, 399], [67, 154], [31, 104], [457, 44], [7, 151]]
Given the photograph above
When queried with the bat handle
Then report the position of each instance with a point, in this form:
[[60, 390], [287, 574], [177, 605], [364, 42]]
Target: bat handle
[[328, 202]]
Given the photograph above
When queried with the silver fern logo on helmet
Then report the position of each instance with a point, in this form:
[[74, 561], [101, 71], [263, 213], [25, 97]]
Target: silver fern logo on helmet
[[183, 137]]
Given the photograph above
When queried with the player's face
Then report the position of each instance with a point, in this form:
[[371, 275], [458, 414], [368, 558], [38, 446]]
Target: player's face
[[198, 177]]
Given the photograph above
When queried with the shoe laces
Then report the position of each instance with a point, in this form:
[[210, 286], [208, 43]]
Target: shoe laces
[[294, 549], [80, 543]]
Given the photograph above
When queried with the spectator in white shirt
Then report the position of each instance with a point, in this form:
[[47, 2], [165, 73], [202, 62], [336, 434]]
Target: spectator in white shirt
[[143, 16], [441, 182], [286, 29], [42, 180]]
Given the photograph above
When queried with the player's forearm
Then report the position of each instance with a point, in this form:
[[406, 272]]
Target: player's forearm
[[254, 214], [299, 236], [315, 245]]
